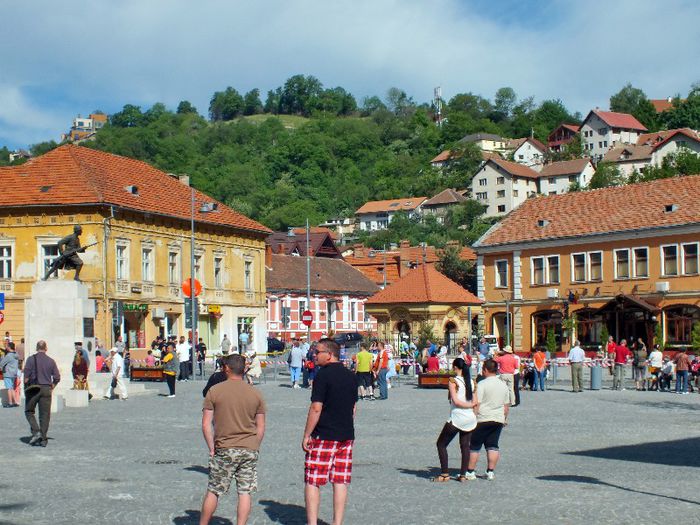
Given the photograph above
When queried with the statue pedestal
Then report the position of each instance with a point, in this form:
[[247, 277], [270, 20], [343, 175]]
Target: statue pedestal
[[60, 313]]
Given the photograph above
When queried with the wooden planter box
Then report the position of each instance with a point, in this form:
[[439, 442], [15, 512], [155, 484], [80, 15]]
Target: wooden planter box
[[147, 373], [433, 380]]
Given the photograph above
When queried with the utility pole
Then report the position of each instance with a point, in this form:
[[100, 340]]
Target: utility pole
[[193, 313], [308, 281]]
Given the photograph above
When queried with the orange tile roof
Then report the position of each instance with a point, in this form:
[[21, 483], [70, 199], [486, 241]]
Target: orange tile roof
[[662, 104], [565, 167], [424, 285], [572, 127], [73, 175], [443, 157], [598, 212], [618, 120], [405, 204], [515, 169], [661, 137]]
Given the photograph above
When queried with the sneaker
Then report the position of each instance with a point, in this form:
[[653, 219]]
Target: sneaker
[[489, 475], [470, 476], [171, 395], [35, 439]]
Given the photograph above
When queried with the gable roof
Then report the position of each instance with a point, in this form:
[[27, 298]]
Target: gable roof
[[74, 175], [447, 155], [600, 212], [565, 167], [448, 196], [405, 204], [617, 120], [287, 273], [424, 285], [656, 140], [514, 169], [662, 104], [628, 153], [321, 243], [514, 144]]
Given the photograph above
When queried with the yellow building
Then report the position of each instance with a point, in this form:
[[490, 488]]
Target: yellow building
[[140, 220]]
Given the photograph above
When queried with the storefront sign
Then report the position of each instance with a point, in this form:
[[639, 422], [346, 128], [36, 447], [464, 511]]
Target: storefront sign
[[214, 308], [135, 307]]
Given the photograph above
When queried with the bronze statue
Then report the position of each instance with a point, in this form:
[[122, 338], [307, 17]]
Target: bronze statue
[[69, 248]]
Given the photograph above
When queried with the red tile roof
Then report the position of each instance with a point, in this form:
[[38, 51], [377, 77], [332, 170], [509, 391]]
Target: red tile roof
[[661, 104], [72, 175], [656, 140], [618, 120], [515, 169], [424, 285], [565, 167], [405, 204], [599, 212], [572, 127], [443, 157]]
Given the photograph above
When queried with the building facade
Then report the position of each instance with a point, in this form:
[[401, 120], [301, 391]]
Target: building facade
[[562, 136], [376, 215], [139, 220], [502, 186], [588, 262], [557, 177], [602, 130]]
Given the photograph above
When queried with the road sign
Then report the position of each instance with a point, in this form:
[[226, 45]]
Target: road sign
[[307, 318], [188, 311], [2, 300], [2, 317], [187, 289]]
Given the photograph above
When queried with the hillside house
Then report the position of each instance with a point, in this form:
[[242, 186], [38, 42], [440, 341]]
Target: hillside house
[[561, 136], [376, 215], [602, 130], [557, 177]]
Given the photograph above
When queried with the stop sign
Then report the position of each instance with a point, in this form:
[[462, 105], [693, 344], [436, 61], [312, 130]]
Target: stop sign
[[2, 317], [307, 318]]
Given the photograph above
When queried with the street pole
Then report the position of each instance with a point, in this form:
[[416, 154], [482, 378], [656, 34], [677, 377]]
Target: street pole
[[308, 281], [193, 313], [507, 322]]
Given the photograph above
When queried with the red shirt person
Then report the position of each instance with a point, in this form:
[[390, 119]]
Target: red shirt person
[[622, 353]]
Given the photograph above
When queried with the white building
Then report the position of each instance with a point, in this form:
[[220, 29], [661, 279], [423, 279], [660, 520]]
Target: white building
[[603, 130], [503, 185], [376, 215], [557, 177], [528, 152]]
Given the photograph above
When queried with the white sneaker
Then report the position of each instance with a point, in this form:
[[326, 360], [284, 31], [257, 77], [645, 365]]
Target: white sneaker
[[172, 395], [471, 476], [489, 475]]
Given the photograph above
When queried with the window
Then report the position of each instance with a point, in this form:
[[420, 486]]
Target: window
[[502, 208], [501, 180], [5, 262], [578, 267], [552, 193], [515, 193], [49, 252], [501, 194], [147, 264], [640, 262], [218, 272], [605, 143], [544, 323], [173, 267], [573, 178], [123, 262], [622, 264], [669, 262], [302, 308], [595, 263], [600, 144], [198, 267], [502, 274], [588, 327], [248, 276], [690, 258], [483, 182], [521, 157], [552, 180], [353, 311], [538, 270], [481, 196], [679, 323], [553, 269]]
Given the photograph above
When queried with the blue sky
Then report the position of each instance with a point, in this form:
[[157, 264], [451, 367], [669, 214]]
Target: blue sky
[[61, 59]]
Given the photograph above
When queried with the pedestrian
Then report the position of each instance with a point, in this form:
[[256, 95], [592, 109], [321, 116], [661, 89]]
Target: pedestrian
[[41, 376], [491, 417], [363, 369], [621, 356], [506, 369], [9, 365], [201, 352], [171, 365], [243, 339], [442, 356], [682, 363], [183, 355], [150, 359], [516, 379], [639, 365], [484, 349], [329, 433], [295, 360], [253, 369], [19, 350], [576, 357], [381, 368], [120, 345], [462, 420], [433, 365], [233, 425], [610, 349], [310, 365], [668, 368], [99, 362], [116, 365], [225, 345], [655, 362], [539, 363], [79, 371]]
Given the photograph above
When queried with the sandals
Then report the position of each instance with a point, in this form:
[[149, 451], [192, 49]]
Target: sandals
[[462, 478], [441, 478]]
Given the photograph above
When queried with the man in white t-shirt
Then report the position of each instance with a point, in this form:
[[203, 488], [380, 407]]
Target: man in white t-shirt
[[492, 415], [655, 362], [183, 354], [116, 367]]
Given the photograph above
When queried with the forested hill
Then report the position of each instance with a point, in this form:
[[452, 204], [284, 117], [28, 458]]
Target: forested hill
[[308, 151]]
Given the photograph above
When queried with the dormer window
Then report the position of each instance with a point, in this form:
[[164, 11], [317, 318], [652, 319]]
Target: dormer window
[[668, 208], [542, 223], [134, 190]]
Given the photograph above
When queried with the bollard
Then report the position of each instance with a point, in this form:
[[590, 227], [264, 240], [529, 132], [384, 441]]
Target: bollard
[[596, 377]]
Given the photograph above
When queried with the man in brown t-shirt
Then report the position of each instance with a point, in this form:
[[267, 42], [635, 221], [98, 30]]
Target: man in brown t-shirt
[[237, 412]]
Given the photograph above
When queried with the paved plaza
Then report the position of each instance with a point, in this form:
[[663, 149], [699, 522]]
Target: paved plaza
[[594, 457]]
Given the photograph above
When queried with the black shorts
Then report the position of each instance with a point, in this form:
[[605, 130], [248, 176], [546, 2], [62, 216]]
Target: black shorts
[[364, 379], [486, 435]]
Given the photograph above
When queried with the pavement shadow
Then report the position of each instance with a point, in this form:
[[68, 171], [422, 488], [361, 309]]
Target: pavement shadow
[[198, 468], [676, 453], [571, 478], [427, 473], [286, 513], [13, 506], [191, 517]]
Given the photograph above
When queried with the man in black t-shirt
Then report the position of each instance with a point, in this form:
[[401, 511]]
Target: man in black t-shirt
[[330, 432]]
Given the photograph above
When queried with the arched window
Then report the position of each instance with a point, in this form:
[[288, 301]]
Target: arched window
[[679, 323], [588, 326], [543, 322]]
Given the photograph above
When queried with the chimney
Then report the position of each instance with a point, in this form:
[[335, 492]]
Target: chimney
[[404, 257], [268, 256], [358, 250], [182, 179]]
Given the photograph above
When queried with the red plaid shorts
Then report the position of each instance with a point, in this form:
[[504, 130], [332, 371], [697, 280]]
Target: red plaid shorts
[[328, 461]]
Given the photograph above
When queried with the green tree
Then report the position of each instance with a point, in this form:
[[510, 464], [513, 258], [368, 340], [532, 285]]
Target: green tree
[[130, 116], [684, 113], [695, 338], [398, 102], [226, 105], [185, 107], [606, 175], [299, 95], [460, 271], [42, 147], [504, 103], [272, 102], [659, 337], [425, 334], [551, 342], [632, 100], [252, 105], [370, 105]]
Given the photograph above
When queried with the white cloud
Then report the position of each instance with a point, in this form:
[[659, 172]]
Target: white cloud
[[23, 122], [105, 54]]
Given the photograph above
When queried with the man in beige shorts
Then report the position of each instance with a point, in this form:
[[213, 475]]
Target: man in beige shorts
[[236, 410]]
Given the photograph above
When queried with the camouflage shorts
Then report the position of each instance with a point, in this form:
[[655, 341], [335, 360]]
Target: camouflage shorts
[[228, 463]]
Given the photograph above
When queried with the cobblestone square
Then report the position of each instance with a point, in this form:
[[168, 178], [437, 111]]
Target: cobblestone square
[[595, 457]]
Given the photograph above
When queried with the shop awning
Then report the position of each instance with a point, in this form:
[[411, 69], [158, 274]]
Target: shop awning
[[627, 302]]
